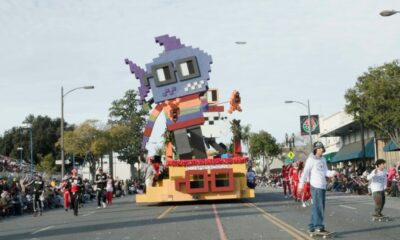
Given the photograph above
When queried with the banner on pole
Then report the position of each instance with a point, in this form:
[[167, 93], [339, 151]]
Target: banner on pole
[[306, 127]]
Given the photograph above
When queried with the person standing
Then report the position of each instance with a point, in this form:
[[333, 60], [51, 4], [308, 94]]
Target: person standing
[[101, 179], [316, 171], [294, 181], [65, 188], [38, 190], [76, 190], [109, 189], [285, 179], [378, 180]]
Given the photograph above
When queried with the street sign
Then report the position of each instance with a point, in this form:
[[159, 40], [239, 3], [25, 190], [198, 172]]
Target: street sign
[[287, 161], [58, 162], [291, 155]]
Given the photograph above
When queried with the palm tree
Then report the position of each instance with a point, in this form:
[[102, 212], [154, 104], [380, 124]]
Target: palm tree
[[246, 136]]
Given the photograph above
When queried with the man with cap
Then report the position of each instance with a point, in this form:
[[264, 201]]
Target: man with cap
[[316, 172], [101, 180]]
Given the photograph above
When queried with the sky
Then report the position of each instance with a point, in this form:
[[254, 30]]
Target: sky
[[295, 50]]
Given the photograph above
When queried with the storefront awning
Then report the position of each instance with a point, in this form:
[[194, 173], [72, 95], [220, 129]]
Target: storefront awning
[[391, 146], [354, 151], [329, 156]]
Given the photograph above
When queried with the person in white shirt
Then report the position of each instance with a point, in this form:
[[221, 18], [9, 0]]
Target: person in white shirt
[[316, 172], [378, 178]]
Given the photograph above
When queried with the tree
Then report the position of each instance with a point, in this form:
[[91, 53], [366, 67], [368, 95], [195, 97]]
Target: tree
[[47, 164], [45, 133], [245, 133], [86, 141], [375, 99], [263, 145], [128, 118]]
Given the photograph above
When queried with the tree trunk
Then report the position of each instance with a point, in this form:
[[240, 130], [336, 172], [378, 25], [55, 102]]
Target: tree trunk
[[92, 169], [111, 164]]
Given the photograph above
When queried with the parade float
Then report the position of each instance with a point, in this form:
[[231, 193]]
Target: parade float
[[178, 81]]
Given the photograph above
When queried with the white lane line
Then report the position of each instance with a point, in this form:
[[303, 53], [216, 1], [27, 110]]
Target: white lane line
[[87, 214], [41, 230], [345, 206]]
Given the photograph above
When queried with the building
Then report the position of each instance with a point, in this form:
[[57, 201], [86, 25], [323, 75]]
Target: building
[[348, 142], [121, 170]]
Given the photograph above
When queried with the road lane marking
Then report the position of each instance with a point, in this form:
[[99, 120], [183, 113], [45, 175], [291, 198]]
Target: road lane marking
[[221, 231], [345, 206], [87, 214], [166, 212], [297, 234], [41, 230]]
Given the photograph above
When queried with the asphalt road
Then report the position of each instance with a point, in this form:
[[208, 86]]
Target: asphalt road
[[268, 216]]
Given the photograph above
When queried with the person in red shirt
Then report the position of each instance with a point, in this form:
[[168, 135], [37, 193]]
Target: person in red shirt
[[65, 188], [286, 180], [305, 193], [294, 175], [76, 190]]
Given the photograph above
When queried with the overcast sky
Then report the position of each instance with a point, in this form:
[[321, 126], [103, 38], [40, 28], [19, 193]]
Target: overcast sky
[[295, 50]]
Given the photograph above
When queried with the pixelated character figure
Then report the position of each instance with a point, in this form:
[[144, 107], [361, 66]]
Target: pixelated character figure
[[234, 102], [216, 125], [178, 79]]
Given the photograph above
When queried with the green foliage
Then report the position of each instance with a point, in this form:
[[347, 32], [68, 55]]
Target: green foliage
[[236, 129], [263, 145], [128, 118], [88, 140], [45, 133], [47, 164], [375, 99]]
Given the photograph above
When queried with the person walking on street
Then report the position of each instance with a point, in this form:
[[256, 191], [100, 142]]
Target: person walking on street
[[76, 190], [65, 188], [285, 179], [101, 179], [378, 180], [38, 190], [316, 171], [109, 189]]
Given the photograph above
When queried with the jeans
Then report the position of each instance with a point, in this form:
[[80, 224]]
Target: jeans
[[101, 197], [317, 209], [379, 198]]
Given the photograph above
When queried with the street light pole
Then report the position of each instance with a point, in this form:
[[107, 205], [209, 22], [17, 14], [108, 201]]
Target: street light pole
[[20, 153], [309, 119], [31, 143], [31, 149], [62, 123]]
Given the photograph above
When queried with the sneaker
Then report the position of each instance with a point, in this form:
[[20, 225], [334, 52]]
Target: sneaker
[[286, 196], [320, 230], [311, 230], [104, 204], [98, 207], [304, 205], [66, 209]]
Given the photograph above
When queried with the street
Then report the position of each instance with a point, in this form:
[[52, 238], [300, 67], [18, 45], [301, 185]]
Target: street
[[268, 216]]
